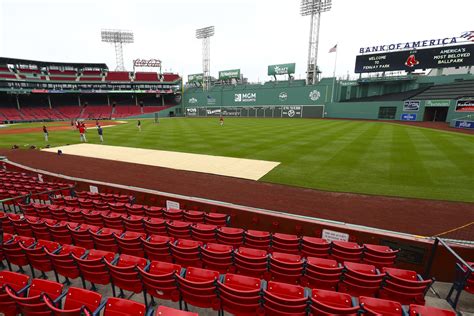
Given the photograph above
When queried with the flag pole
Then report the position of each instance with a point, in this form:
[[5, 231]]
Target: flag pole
[[334, 75]]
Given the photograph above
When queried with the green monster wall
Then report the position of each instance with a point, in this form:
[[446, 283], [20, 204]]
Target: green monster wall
[[343, 103]]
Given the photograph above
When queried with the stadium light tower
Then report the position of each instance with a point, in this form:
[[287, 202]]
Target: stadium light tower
[[205, 34], [314, 8], [118, 38]]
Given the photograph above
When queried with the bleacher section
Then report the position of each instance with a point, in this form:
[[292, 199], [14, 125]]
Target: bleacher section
[[400, 96], [146, 76], [187, 256], [454, 90], [117, 76]]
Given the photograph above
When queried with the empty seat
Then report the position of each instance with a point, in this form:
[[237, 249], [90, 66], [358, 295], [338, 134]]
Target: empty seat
[[379, 256], [344, 251], [131, 243], [13, 251], [186, 252], [322, 273], [93, 217], [420, 310], [404, 286], [178, 229], [360, 279], [113, 220], [324, 302], [159, 280], [281, 299], [16, 281], [32, 303], [77, 302], [217, 257], [251, 262], [81, 235], [122, 307], [230, 236], [63, 261], [203, 232], [134, 223], [193, 216], [173, 214], [92, 267], [375, 306], [285, 267], [157, 247], [124, 273], [198, 287], [314, 247], [240, 295], [155, 226], [37, 257], [216, 219], [257, 239], [285, 243], [168, 311], [105, 239]]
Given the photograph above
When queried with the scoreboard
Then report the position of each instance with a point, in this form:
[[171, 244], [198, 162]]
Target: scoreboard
[[410, 60]]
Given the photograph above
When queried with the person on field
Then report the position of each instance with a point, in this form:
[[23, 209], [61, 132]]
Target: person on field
[[221, 121], [82, 133], [45, 132], [101, 133], [139, 125]]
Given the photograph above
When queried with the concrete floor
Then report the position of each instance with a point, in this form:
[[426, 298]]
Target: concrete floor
[[435, 297]]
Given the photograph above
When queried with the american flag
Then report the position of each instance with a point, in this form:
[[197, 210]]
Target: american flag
[[334, 49], [469, 35]]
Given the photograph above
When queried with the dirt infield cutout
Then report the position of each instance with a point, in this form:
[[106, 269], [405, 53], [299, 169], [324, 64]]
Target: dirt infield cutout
[[234, 167]]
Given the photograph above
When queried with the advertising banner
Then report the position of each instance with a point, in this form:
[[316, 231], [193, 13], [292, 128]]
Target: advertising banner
[[281, 69], [409, 60], [434, 103], [411, 105], [229, 74], [464, 124], [195, 78], [465, 105], [408, 117], [291, 111]]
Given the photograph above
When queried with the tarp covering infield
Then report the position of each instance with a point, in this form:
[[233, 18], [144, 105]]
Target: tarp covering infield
[[250, 169]]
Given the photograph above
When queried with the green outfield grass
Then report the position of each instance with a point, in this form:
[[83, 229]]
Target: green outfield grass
[[335, 155]]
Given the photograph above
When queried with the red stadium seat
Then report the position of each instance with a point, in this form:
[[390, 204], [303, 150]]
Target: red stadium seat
[[178, 229], [322, 273], [314, 247], [240, 295], [134, 223], [257, 239], [186, 252], [375, 306], [32, 303], [105, 239], [216, 219], [204, 232], [77, 302], [281, 299], [122, 307], [285, 243], [360, 279], [168, 311], [113, 220], [37, 257], [251, 262], [345, 251], [379, 256], [16, 281], [173, 214], [198, 287], [93, 217], [230, 236], [217, 257], [325, 302], [92, 267], [157, 247], [285, 267], [63, 262], [419, 310], [404, 286], [131, 243], [60, 232], [193, 216], [13, 251], [81, 235], [159, 280], [155, 226], [124, 274]]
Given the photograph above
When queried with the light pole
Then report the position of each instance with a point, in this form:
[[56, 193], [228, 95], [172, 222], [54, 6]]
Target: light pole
[[313, 8], [205, 34], [118, 38]]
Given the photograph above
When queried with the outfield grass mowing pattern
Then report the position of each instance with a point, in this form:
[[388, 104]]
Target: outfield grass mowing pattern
[[334, 155]]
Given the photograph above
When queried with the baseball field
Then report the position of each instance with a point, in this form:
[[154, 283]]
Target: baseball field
[[335, 155]]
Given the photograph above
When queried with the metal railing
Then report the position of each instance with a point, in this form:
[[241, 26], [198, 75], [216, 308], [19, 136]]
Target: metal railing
[[463, 271]]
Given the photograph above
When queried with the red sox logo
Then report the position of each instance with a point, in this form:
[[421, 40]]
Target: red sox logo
[[411, 61]]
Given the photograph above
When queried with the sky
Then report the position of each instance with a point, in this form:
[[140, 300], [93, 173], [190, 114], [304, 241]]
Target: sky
[[249, 34]]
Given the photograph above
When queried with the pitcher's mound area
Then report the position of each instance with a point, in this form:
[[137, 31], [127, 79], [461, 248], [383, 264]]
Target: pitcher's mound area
[[225, 166]]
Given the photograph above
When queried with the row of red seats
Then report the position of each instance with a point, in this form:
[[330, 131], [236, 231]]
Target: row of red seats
[[19, 294], [234, 293], [354, 278], [116, 215], [212, 231]]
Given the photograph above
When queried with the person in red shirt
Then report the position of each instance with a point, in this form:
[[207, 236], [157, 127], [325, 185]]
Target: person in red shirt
[[82, 133]]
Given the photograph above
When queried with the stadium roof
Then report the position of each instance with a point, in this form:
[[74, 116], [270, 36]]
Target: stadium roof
[[47, 64]]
